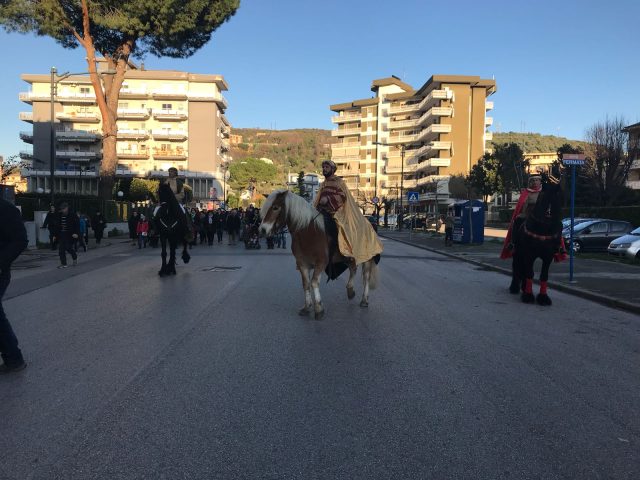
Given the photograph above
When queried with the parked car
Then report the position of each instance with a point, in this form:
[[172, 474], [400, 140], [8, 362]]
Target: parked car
[[566, 222], [596, 235], [627, 245]]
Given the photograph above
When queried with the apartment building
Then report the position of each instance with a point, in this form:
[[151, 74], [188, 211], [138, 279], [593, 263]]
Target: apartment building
[[412, 139], [633, 180], [165, 119]]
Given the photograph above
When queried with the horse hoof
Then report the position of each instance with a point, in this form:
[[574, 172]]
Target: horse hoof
[[303, 312], [351, 293], [186, 257], [364, 303], [319, 315], [528, 298], [162, 273], [544, 300]]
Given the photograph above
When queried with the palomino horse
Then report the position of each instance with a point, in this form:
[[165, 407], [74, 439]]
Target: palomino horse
[[170, 222], [539, 236], [310, 247]]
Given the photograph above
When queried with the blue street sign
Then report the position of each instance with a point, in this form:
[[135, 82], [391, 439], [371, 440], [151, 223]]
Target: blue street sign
[[573, 162], [413, 197]]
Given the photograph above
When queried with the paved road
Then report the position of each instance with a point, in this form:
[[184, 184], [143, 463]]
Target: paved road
[[212, 375]]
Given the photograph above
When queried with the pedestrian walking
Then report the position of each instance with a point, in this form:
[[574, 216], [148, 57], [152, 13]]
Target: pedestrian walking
[[133, 225], [83, 239], [13, 240], [448, 228], [67, 232], [209, 225], [282, 237], [50, 223], [142, 231], [233, 226], [220, 219], [98, 224]]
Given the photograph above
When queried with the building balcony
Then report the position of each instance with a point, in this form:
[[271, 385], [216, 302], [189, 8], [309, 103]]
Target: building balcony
[[434, 97], [394, 109], [26, 155], [635, 184], [430, 114], [30, 97], [635, 165], [170, 115], [488, 136], [132, 134], [352, 117], [433, 162], [177, 135], [76, 97], [139, 93], [488, 106], [433, 131], [345, 173], [78, 136], [133, 114], [488, 121], [394, 125], [402, 139], [341, 132], [26, 137], [170, 95], [207, 97], [133, 154], [169, 155], [78, 156], [85, 117], [26, 117], [431, 149], [396, 167]]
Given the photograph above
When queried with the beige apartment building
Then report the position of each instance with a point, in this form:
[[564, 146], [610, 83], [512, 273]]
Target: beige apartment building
[[412, 139], [165, 119], [633, 180]]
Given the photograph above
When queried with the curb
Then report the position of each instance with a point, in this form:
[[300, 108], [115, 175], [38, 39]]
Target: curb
[[578, 292]]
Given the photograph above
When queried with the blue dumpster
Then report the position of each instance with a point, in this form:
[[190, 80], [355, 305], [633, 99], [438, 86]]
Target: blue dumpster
[[468, 226]]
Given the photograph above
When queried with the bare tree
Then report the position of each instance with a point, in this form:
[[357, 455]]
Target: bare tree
[[610, 152], [10, 165]]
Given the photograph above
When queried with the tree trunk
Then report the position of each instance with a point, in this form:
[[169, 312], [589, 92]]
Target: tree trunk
[[108, 166]]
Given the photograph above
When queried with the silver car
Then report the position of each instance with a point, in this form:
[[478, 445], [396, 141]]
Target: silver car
[[628, 245]]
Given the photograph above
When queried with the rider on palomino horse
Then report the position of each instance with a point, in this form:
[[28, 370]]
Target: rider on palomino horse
[[351, 234], [182, 195], [524, 207]]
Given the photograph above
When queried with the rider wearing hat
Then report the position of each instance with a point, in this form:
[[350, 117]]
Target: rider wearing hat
[[350, 232]]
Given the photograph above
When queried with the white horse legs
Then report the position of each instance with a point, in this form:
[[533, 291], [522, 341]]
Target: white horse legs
[[369, 280], [351, 293], [311, 287]]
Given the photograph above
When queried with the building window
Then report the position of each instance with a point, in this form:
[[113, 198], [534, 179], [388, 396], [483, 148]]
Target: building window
[[166, 106], [85, 90]]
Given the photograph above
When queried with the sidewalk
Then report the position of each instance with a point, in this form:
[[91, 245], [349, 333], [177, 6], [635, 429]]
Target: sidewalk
[[607, 282]]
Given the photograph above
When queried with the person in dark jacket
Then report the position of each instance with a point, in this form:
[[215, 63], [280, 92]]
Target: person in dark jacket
[[133, 227], [50, 223], [67, 232], [13, 240], [98, 224], [233, 226], [220, 217]]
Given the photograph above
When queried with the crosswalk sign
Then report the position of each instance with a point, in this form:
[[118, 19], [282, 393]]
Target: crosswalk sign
[[413, 197]]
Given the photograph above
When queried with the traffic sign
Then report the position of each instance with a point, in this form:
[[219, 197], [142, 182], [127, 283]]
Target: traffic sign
[[413, 197], [573, 159], [375, 200]]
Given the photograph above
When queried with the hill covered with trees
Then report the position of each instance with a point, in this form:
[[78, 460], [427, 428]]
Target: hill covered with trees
[[534, 142]]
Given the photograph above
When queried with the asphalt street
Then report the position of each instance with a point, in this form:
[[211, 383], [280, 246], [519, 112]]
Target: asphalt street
[[211, 374]]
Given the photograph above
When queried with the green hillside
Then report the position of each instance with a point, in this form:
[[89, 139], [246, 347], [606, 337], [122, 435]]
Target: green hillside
[[290, 150], [534, 142]]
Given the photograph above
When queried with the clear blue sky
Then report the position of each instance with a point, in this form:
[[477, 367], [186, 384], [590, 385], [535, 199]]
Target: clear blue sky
[[560, 65]]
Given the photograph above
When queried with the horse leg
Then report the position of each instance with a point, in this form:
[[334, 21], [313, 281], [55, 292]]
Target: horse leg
[[515, 275], [304, 273], [185, 252], [353, 268], [366, 276], [315, 284], [527, 294], [173, 244], [163, 244], [543, 298]]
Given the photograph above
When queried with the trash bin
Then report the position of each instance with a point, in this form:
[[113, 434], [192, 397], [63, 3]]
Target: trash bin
[[468, 226]]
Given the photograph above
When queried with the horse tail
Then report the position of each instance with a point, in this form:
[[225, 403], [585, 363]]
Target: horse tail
[[373, 275]]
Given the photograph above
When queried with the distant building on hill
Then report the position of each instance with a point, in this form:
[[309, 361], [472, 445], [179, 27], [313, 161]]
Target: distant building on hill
[[410, 139], [235, 139]]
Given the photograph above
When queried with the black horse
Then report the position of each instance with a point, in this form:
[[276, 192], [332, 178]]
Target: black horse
[[540, 236], [170, 222]]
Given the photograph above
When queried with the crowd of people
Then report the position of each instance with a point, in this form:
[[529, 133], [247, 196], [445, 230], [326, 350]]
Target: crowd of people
[[209, 227]]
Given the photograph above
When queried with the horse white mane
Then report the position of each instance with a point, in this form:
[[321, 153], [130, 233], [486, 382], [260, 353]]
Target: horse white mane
[[300, 213]]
